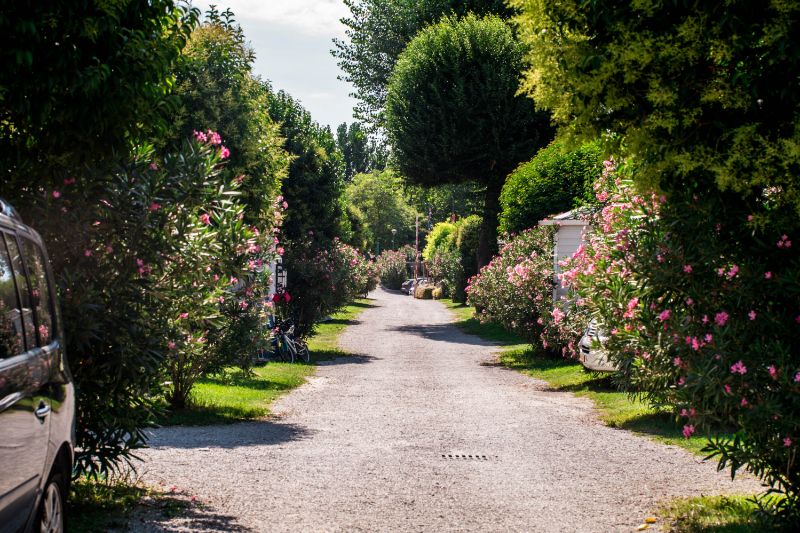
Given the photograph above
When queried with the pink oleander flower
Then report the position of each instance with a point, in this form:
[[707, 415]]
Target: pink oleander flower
[[773, 372], [200, 136], [280, 250], [244, 305], [234, 280], [224, 153], [632, 303], [688, 431], [752, 314], [56, 194], [664, 315], [558, 315], [87, 253], [184, 315], [602, 196], [155, 206], [721, 318], [727, 388], [787, 441], [677, 361], [744, 402], [171, 345], [733, 271], [797, 378], [708, 338], [687, 269], [689, 301], [214, 138], [70, 181], [739, 368], [285, 205], [205, 218], [768, 275], [153, 166], [221, 299]]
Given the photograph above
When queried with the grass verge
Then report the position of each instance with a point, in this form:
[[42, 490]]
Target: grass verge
[[713, 514], [235, 396]]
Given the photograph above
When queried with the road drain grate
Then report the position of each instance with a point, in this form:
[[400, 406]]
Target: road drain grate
[[466, 457]]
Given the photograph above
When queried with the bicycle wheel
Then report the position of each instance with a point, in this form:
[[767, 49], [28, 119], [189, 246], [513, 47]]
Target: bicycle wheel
[[282, 351], [303, 352]]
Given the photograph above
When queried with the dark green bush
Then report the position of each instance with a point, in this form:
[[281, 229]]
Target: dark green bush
[[553, 181]]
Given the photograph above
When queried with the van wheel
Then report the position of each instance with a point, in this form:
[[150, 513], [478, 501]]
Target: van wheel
[[50, 518]]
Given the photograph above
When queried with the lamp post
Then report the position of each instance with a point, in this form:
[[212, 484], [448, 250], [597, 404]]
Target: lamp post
[[394, 232]]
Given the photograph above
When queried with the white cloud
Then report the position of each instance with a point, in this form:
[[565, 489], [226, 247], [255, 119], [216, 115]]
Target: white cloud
[[312, 17]]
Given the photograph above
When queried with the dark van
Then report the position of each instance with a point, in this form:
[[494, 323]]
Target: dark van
[[37, 403]]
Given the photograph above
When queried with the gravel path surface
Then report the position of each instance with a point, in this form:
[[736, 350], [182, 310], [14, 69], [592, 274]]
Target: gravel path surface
[[366, 446]]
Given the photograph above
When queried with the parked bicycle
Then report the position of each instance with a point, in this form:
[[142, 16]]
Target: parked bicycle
[[285, 346]]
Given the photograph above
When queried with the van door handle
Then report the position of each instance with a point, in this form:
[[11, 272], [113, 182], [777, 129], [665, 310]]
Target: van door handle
[[42, 411]]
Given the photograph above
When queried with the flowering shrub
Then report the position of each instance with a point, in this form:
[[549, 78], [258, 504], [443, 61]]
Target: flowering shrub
[[130, 247], [323, 277], [516, 290], [392, 268], [700, 300]]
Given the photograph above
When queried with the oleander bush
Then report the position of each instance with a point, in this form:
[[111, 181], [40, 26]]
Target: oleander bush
[[515, 290], [700, 298], [392, 268], [323, 276]]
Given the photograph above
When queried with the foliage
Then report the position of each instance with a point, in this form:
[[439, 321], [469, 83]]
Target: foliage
[[515, 290], [441, 202], [450, 254], [315, 184], [453, 115], [80, 80], [215, 87], [441, 237], [701, 305], [378, 31], [555, 180], [695, 89], [323, 277], [393, 268], [360, 153], [378, 196]]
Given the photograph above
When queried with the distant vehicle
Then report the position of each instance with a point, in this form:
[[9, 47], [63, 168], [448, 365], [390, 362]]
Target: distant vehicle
[[591, 351], [409, 285], [37, 402]]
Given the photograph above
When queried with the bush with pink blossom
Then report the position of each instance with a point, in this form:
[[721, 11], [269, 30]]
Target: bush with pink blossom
[[516, 290], [698, 293]]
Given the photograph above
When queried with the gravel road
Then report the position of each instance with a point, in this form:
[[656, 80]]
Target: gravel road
[[366, 445]]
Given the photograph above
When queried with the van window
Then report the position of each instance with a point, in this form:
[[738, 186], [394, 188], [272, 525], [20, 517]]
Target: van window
[[11, 342], [26, 306], [40, 290]]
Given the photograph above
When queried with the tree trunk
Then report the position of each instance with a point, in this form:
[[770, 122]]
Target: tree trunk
[[487, 245]]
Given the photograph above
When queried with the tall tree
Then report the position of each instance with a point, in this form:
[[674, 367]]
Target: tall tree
[[315, 184], [379, 197], [354, 145], [378, 31], [453, 114]]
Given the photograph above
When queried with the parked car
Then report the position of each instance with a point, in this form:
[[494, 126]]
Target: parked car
[[591, 351], [37, 403], [409, 285]]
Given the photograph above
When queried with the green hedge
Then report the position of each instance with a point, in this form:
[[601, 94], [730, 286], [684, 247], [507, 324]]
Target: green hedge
[[555, 180]]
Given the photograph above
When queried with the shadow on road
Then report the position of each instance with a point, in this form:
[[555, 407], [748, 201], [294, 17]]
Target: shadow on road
[[238, 435], [443, 333], [348, 359]]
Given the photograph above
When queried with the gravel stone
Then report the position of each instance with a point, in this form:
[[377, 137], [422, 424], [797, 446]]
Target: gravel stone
[[365, 445]]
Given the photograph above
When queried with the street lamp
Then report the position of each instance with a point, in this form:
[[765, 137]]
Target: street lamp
[[394, 232]]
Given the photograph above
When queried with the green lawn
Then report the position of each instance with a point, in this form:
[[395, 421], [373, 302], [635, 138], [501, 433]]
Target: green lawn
[[235, 396], [713, 514]]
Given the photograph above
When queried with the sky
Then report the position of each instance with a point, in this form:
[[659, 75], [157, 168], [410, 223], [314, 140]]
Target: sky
[[292, 40]]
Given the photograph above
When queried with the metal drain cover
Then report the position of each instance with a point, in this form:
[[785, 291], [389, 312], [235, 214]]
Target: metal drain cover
[[467, 457]]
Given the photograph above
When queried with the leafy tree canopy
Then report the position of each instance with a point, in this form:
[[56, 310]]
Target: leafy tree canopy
[[693, 88], [81, 80], [555, 180], [216, 89], [379, 30], [360, 152], [453, 114], [315, 185], [379, 197]]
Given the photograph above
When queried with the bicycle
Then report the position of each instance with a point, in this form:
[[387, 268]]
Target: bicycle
[[285, 346]]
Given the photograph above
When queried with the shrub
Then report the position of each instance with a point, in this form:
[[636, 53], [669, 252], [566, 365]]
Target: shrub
[[438, 293], [552, 182], [323, 277], [515, 290], [467, 241], [392, 268], [441, 237], [702, 312]]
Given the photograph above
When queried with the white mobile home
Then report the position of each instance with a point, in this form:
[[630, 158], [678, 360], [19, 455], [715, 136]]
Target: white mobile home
[[572, 227]]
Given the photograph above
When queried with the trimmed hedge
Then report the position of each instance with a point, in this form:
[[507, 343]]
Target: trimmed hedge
[[555, 180]]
